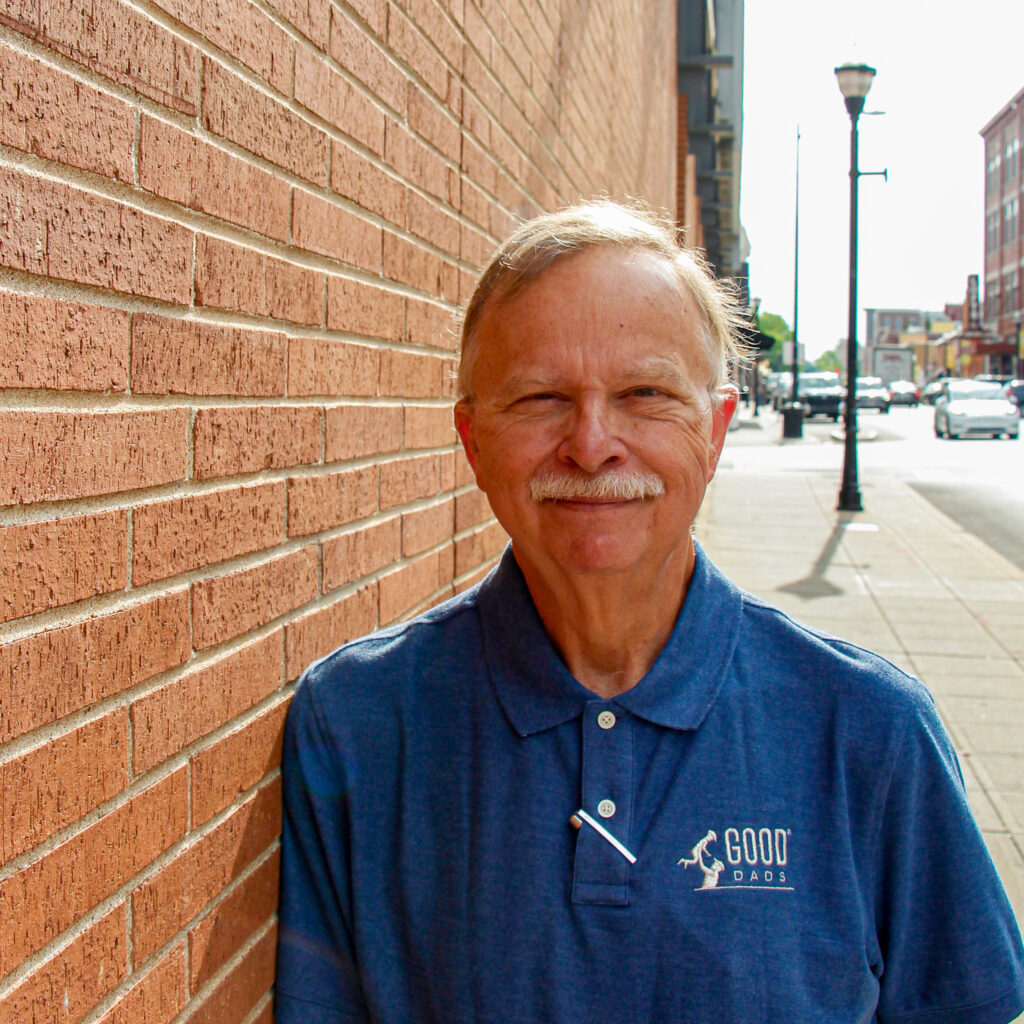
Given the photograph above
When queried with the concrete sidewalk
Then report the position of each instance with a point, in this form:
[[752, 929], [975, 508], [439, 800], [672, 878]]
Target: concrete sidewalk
[[906, 581]]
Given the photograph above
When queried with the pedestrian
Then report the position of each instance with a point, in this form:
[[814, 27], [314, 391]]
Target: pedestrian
[[605, 785]]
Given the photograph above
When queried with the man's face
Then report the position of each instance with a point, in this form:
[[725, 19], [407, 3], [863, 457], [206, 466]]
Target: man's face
[[596, 372]]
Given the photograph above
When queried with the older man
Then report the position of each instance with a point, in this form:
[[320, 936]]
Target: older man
[[605, 785]]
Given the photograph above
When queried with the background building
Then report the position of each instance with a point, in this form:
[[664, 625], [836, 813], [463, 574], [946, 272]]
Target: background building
[[232, 238], [710, 120], [1003, 308]]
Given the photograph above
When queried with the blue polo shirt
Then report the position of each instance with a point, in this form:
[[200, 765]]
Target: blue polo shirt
[[803, 846]]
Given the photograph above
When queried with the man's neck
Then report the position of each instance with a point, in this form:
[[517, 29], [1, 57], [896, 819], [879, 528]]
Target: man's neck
[[609, 630]]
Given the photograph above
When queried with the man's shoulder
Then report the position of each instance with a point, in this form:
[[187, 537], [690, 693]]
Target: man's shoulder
[[395, 649], [826, 663]]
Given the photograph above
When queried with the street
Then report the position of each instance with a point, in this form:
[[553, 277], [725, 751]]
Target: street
[[978, 482]]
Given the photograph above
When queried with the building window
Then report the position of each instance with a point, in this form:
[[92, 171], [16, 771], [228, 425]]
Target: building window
[[992, 231], [993, 182], [1010, 208], [1012, 158], [992, 301], [1011, 296]]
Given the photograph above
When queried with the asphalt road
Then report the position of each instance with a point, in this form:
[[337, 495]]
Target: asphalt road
[[977, 482]]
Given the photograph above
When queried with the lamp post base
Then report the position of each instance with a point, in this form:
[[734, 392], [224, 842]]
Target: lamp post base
[[849, 498]]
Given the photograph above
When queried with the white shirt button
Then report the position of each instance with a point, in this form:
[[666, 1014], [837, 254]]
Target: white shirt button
[[606, 808], [606, 719]]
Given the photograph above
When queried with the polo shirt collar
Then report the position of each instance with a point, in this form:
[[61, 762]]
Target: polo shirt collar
[[538, 692]]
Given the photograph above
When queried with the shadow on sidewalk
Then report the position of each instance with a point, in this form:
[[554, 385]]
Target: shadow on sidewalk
[[814, 584]]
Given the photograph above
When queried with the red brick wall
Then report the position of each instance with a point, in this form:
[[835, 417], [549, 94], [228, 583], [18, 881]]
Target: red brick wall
[[232, 234]]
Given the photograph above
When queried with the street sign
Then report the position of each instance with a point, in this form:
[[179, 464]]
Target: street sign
[[787, 353]]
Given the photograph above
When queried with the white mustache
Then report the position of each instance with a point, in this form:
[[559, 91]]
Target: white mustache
[[609, 486]]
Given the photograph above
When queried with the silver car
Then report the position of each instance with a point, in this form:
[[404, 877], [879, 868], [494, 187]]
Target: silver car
[[971, 407]]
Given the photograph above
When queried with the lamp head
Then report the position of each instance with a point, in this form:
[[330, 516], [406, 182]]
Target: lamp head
[[855, 83]]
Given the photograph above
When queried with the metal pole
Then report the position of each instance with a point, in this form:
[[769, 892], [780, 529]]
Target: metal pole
[[796, 280], [849, 492]]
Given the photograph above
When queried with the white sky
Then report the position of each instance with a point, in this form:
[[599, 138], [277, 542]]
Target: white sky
[[944, 70]]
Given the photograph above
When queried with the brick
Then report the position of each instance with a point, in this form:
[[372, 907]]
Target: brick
[[412, 47], [59, 781], [168, 900], [320, 89], [158, 997], [122, 44], [327, 366], [43, 899], [236, 763], [236, 111], [361, 553], [427, 220], [49, 113], [463, 472], [412, 374], [319, 502], [21, 15], [230, 276], [53, 230], [64, 346], [237, 994], [427, 527], [374, 13], [358, 308], [358, 431], [479, 547], [321, 631], [228, 606], [418, 267], [185, 533], [474, 247], [49, 675], [76, 979], [223, 931], [413, 160], [329, 229], [243, 31], [409, 479], [431, 325], [51, 456], [428, 426], [429, 16], [311, 17], [471, 509], [434, 123], [373, 188], [204, 177], [171, 356], [235, 439], [60, 561], [359, 54], [408, 587], [176, 715]]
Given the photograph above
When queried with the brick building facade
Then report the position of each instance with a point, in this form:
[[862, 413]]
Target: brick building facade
[[232, 236]]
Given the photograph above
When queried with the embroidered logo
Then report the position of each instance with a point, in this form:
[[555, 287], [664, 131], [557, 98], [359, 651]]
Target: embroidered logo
[[757, 858]]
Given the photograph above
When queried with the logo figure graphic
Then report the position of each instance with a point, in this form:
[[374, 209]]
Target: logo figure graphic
[[711, 872]]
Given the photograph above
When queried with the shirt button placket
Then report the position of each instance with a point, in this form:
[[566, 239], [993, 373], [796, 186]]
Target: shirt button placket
[[601, 873]]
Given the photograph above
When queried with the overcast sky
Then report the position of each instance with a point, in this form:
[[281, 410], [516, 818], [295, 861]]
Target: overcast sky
[[944, 70]]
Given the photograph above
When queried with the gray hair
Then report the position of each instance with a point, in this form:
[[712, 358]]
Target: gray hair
[[539, 243]]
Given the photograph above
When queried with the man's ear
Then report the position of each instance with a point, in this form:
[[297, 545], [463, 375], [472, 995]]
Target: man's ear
[[723, 407], [465, 425]]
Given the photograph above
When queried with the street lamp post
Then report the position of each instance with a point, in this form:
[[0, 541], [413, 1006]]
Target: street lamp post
[[793, 413], [854, 83]]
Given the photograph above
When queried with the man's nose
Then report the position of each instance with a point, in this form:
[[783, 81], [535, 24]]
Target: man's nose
[[592, 440]]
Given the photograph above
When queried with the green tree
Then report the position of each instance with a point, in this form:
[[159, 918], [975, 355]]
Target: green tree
[[829, 361], [774, 325]]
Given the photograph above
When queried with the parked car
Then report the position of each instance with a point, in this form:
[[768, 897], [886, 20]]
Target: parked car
[[904, 392], [975, 407], [1014, 391], [936, 388], [872, 394], [821, 394], [992, 378]]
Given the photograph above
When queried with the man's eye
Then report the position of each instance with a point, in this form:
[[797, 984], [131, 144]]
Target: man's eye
[[645, 392]]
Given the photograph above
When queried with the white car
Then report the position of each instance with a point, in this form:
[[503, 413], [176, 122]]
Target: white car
[[970, 407]]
